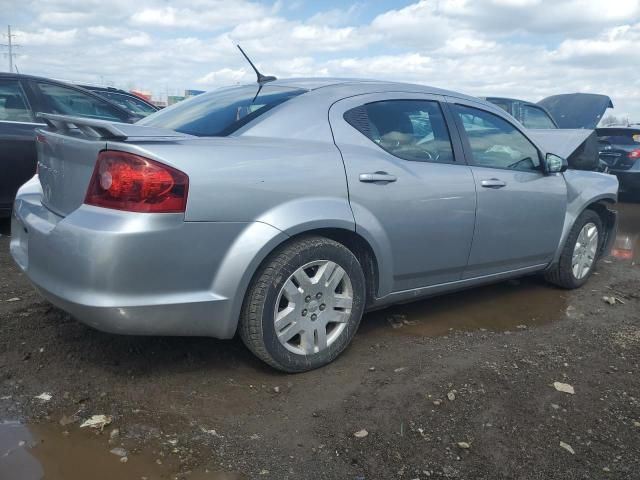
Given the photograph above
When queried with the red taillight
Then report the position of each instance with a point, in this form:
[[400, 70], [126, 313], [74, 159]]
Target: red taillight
[[124, 181], [622, 253], [634, 153]]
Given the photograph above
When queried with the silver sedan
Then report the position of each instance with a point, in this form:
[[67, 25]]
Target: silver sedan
[[284, 211]]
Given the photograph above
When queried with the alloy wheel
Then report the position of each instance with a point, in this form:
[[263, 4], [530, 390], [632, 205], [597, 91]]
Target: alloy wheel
[[313, 307], [585, 251]]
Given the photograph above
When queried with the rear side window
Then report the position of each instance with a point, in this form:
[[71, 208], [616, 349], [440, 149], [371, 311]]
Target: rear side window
[[413, 130], [68, 101], [535, 117], [495, 142], [13, 102], [221, 112]]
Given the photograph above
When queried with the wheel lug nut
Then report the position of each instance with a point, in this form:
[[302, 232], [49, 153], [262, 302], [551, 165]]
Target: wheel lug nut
[[314, 316], [307, 299], [322, 307], [304, 312], [318, 295]]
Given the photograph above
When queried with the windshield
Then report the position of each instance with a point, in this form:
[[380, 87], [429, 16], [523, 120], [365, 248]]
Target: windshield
[[220, 112], [128, 102]]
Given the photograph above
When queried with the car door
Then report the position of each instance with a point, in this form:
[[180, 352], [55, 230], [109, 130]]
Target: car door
[[17, 140], [411, 193], [520, 210]]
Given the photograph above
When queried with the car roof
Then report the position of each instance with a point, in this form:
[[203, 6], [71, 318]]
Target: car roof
[[32, 77], [512, 100], [6, 75], [100, 88], [356, 86], [631, 128]]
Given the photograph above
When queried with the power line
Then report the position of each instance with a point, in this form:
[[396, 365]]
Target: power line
[[10, 46]]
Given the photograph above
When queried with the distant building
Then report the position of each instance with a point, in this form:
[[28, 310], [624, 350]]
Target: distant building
[[171, 99], [192, 93]]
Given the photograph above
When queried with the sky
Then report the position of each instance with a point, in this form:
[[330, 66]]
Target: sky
[[525, 49]]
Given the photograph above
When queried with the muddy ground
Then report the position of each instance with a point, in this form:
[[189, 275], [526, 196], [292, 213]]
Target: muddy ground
[[460, 386]]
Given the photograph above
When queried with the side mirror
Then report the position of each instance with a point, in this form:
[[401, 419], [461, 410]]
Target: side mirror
[[555, 164]]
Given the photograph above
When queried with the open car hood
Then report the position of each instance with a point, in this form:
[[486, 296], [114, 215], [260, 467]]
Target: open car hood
[[577, 110], [559, 141]]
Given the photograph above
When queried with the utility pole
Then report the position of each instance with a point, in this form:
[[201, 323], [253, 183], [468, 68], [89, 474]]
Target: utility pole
[[10, 46]]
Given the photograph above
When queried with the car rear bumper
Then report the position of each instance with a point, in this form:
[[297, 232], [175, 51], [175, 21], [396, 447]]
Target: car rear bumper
[[141, 274]]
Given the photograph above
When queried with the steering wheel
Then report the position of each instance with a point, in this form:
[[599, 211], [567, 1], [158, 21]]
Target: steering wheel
[[432, 157]]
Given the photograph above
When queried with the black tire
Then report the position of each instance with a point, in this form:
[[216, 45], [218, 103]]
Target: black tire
[[562, 274], [257, 328]]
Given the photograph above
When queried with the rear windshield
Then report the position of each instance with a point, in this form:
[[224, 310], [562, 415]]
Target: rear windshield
[[221, 112], [619, 137]]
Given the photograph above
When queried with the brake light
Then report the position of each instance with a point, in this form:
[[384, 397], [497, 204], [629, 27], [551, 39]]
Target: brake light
[[124, 181], [634, 153]]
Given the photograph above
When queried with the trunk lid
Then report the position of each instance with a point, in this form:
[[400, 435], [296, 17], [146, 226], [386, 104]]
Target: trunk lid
[[577, 110], [68, 150]]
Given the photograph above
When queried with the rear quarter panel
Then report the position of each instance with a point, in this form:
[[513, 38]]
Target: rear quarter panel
[[291, 185]]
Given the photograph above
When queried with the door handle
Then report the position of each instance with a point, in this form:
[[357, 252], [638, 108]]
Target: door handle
[[493, 183], [377, 177]]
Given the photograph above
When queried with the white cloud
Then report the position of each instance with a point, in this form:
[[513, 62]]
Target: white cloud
[[418, 25], [224, 76], [64, 18], [138, 40], [46, 36], [212, 15], [540, 16], [108, 32]]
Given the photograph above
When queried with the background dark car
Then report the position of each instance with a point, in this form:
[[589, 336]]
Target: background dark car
[[22, 97], [528, 114], [566, 111], [130, 102], [620, 150]]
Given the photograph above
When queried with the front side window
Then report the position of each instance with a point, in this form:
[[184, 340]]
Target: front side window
[[535, 117], [221, 112], [68, 101], [413, 130], [13, 102], [495, 142]]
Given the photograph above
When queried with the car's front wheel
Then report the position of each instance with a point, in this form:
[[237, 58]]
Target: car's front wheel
[[580, 253], [304, 305]]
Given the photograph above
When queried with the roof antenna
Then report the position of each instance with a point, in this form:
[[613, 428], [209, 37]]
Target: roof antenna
[[261, 78]]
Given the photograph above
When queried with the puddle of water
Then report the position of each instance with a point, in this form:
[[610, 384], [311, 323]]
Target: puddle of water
[[627, 244], [504, 306], [42, 452]]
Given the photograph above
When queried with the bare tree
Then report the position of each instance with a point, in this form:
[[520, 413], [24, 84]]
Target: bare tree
[[613, 120]]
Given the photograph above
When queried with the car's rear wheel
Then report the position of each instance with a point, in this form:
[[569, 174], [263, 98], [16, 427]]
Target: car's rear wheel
[[580, 253], [304, 305]]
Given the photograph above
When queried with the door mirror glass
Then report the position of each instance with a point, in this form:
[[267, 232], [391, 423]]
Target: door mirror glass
[[555, 164]]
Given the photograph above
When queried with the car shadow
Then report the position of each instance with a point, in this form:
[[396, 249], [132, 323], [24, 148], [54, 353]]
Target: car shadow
[[5, 226]]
